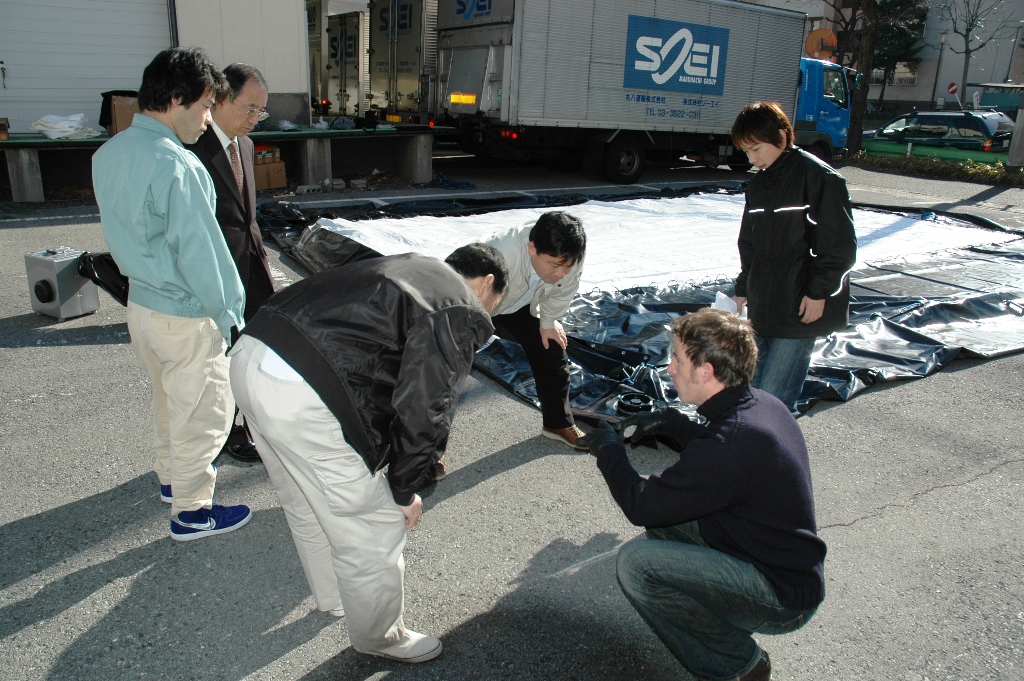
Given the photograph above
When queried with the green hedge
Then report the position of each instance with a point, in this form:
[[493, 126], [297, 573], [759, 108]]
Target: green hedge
[[968, 171]]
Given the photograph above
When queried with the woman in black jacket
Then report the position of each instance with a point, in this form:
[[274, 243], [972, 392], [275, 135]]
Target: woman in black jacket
[[797, 247]]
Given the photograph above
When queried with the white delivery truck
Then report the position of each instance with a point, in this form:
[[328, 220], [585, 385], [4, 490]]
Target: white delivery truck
[[615, 80]]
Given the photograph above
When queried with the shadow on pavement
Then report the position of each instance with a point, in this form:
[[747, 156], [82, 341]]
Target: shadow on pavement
[[566, 619], [492, 465], [33, 330], [217, 608], [34, 544]]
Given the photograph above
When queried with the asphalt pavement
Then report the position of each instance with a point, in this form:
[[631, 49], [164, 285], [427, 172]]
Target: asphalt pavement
[[918, 487]]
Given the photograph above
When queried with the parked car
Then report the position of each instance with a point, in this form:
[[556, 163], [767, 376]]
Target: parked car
[[982, 136]]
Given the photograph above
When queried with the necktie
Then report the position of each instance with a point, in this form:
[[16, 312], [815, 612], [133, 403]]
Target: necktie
[[236, 165]]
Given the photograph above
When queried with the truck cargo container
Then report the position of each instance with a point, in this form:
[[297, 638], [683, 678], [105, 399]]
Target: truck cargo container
[[618, 80], [403, 59], [347, 63]]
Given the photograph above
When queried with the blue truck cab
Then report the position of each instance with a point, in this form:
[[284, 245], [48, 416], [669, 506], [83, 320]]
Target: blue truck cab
[[822, 121]]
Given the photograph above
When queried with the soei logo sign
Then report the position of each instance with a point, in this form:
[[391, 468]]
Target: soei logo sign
[[671, 55], [470, 8]]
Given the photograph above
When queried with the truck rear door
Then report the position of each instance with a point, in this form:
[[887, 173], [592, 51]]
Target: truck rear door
[[461, 75]]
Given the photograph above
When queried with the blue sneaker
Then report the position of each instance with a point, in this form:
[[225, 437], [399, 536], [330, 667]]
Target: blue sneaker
[[165, 494], [191, 525]]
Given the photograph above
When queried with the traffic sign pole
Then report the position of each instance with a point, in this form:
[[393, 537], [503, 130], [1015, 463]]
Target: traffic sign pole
[[951, 89]]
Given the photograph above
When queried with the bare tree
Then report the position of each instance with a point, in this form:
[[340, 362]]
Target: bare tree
[[847, 30], [977, 22], [865, 62], [899, 37], [860, 30]]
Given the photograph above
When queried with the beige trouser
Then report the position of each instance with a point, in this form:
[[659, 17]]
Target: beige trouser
[[192, 403], [346, 526]]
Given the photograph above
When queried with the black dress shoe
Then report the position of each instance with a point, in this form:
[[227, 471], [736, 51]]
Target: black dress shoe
[[762, 671], [243, 452]]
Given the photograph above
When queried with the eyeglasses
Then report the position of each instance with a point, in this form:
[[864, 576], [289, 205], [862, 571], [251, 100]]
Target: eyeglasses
[[259, 114]]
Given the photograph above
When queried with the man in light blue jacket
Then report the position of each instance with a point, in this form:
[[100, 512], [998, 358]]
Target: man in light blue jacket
[[157, 206]]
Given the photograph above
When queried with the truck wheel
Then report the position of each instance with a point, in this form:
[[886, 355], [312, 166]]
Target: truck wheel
[[822, 151], [624, 161]]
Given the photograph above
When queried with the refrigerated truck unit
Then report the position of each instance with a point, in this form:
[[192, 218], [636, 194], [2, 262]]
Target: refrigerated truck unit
[[403, 59], [552, 79], [347, 62]]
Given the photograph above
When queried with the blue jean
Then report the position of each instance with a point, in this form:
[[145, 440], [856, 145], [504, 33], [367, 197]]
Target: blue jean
[[703, 604], [782, 365], [550, 367]]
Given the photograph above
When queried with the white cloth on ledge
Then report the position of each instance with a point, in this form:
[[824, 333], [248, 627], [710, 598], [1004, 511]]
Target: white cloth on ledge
[[64, 127]]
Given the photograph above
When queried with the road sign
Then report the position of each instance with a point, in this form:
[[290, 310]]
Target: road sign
[[951, 89]]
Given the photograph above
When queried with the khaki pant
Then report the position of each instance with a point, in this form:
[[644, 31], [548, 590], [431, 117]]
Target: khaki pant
[[347, 529], [192, 403]]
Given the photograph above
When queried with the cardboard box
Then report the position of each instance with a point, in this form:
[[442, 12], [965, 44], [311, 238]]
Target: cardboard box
[[122, 110], [270, 176], [266, 153]]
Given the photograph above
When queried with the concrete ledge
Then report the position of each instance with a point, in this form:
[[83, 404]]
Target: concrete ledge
[[26, 179], [311, 155]]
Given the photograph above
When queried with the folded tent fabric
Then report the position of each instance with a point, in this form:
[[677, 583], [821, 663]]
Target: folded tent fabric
[[64, 127]]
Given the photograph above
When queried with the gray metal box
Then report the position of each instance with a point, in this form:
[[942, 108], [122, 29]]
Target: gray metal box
[[55, 286]]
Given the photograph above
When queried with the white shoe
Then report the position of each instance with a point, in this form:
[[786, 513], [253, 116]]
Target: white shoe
[[338, 612], [415, 647]]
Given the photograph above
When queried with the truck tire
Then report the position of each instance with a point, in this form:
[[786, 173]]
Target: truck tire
[[822, 151], [624, 161]]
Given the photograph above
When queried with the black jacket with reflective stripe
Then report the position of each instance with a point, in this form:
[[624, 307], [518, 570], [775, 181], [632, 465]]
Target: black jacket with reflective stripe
[[796, 239], [385, 344]]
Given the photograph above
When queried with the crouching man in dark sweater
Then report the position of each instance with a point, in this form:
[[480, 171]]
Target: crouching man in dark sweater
[[730, 547]]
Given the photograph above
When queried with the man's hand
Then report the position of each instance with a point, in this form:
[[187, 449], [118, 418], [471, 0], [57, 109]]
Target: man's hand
[[413, 512], [597, 437], [555, 333], [645, 424], [811, 310], [741, 302]]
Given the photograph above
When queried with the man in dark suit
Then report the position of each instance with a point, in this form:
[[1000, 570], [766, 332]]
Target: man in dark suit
[[227, 153]]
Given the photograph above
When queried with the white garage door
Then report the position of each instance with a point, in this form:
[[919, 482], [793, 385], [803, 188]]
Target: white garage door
[[61, 54]]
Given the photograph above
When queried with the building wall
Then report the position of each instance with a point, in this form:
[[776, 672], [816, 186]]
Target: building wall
[[60, 55], [267, 34], [988, 65]]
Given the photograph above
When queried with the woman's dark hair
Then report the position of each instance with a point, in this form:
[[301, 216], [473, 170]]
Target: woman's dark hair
[[478, 260], [761, 122], [184, 73], [559, 235], [722, 340]]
